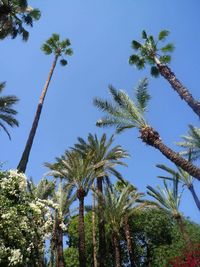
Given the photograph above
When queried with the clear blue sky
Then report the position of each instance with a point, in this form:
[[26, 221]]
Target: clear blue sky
[[101, 33]]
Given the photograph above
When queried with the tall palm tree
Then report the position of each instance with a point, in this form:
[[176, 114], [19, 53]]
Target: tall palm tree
[[126, 114], [119, 206], [14, 16], [149, 52], [191, 142], [169, 199], [183, 177], [79, 174], [7, 112], [59, 49], [105, 157]]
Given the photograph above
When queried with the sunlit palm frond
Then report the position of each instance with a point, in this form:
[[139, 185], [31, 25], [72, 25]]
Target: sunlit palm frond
[[124, 113], [191, 142]]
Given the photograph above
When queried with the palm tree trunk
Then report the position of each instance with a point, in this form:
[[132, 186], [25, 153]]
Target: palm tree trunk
[[129, 242], [81, 230], [101, 224], [182, 229], [196, 199], [117, 250], [59, 246], [25, 156], [94, 239], [152, 138], [183, 92]]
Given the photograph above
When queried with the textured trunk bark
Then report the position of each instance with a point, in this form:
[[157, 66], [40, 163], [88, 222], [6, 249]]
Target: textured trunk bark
[[25, 156], [196, 199], [81, 230], [152, 138], [182, 91], [183, 230], [129, 242], [117, 250], [59, 246], [94, 239], [101, 224]]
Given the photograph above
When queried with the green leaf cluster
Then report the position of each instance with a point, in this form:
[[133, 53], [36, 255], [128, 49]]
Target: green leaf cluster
[[150, 52]]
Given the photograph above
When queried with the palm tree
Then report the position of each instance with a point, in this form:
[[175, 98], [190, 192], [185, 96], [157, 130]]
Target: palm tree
[[191, 142], [120, 187], [183, 177], [126, 114], [149, 52], [62, 198], [105, 158], [79, 174], [119, 206], [59, 49], [169, 199], [7, 112], [14, 16]]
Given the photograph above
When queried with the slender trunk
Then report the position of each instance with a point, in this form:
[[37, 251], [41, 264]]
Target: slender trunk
[[196, 199], [183, 230], [117, 250], [183, 92], [152, 138], [129, 242], [101, 224], [59, 246], [94, 239], [149, 255], [81, 230], [25, 156]]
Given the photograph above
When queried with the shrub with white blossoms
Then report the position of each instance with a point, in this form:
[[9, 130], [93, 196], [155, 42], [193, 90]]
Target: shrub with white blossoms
[[25, 221]]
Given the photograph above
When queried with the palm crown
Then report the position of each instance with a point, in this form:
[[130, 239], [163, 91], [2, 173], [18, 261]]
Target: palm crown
[[150, 52], [119, 205], [7, 112], [104, 156], [123, 113], [14, 15], [168, 198], [58, 48], [76, 169]]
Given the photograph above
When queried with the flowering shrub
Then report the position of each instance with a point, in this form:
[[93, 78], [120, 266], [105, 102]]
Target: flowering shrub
[[25, 221], [188, 259]]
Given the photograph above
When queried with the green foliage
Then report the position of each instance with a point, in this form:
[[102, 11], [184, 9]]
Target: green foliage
[[7, 113], [168, 198], [149, 52], [162, 35], [151, 228], [123, 113], [15, 16], [104, 156], [58, 48]]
